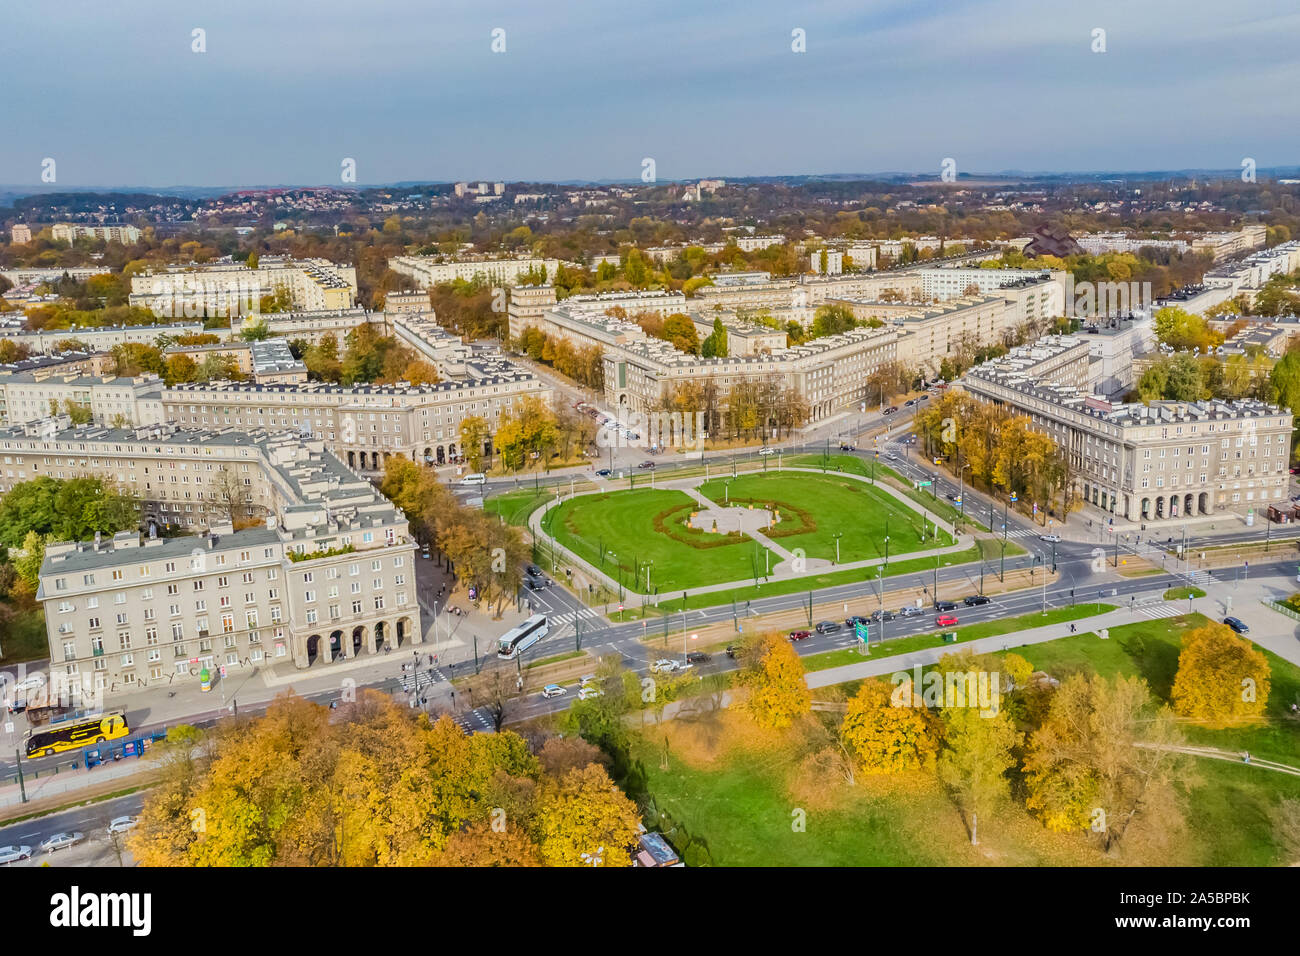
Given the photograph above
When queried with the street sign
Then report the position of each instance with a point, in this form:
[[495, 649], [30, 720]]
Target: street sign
[[1013, 496], [862, 632], [922, 484], [223, 670]]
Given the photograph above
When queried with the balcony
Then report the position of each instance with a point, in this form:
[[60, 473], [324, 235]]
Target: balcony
[[97, 651]]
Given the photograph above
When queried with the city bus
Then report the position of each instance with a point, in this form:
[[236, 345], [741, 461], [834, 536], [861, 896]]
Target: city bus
[[76, 733], [522, 637]]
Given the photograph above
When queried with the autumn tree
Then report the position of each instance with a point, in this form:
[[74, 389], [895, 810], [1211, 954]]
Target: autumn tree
[[474, 433], [1222, 678], [889, 730], [1105, 760], [774, 676], [583, 813]]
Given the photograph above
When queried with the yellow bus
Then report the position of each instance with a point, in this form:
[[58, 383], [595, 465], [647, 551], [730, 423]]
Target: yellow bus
[[76, 733]]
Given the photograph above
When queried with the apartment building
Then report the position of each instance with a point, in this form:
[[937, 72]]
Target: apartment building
[[1223, 245], [70, 233], [27, 397], [96, 338], [311, 327], [363, 425], [329, 572], [1163, 460], [231, 288], [947, 282], [72, 362], [20, 234], [21, 275], [1096, 243], [429, 271]]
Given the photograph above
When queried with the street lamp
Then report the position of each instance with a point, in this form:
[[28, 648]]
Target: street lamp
[[685, 655], [837, 536]]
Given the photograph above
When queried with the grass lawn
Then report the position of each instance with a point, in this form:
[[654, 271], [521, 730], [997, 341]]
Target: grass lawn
[[516, 506], [991, 551], [1182, 594], [636, 528], [918, 642], [814, 508], [22, 635]]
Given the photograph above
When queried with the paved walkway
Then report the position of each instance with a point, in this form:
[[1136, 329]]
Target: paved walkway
[[688, 486], [1269, 629]]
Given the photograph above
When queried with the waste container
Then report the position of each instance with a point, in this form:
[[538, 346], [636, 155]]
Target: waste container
[[950, 637]]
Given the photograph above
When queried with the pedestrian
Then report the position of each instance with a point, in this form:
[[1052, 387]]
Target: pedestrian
[[1071, 628]]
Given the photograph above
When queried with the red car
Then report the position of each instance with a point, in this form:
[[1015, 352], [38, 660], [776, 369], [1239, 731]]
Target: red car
[[945, 620], [800, 635]]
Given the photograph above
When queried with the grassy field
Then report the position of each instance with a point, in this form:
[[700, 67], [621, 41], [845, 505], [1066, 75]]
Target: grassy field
[[516, 506], [22, 635], [735, 795], [1149, 649], [646, 528], [815, 508], [918, 642]]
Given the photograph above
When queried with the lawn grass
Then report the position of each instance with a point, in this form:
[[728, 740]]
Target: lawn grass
[[813, 509], [22, 635], [971, 632], [623, 525], [1182, 594], [815, 582], [516, 506]]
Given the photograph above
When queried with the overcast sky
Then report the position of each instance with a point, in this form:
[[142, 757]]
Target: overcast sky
[[412, 90]]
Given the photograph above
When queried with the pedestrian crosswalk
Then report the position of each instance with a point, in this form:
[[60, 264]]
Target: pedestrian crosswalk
[[1160, 610], [474, 721], [569, 617]]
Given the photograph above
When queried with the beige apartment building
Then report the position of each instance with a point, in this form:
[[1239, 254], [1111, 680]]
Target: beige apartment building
[[67, 232], [364, 425], [328, 574], [1163, 460], [26, 397], [232, 288], [429, 271]]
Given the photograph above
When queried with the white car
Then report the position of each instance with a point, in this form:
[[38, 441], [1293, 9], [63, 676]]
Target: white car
[[1049, 537], [121, 824], [477, 478], [29, 683], [11, 854], [62, 841], [586, 692], [664, 664], [588, 679], [553, 690], [764, 452]]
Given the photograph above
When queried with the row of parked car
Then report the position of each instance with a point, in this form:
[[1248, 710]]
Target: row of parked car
[[62, 841], [942, 619]]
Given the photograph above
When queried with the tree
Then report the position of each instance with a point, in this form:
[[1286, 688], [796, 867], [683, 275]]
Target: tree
[[680, 331], [135, 358], [1105, 760], [528, 430], [80, 414], [1222, 678], [584, 813], [70, 509], [977, 753], [256, 331], [28, 563], [889, 732], [715, 346], [180, 368], [474, 433], [774, 676]]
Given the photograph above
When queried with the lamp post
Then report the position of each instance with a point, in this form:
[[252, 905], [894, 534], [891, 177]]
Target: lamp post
[[837, 545], [685, 655]]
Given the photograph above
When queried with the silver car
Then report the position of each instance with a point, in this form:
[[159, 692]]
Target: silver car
[[121, 824], [11, 854], [61, 841]]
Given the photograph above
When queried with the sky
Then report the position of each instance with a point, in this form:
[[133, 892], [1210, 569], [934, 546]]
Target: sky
[[412, 90]]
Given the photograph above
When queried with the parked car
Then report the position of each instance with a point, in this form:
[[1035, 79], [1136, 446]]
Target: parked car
[[553, 690], [945, 620], [121, 824], [698, 657], [827, 627], [974, 600], [1237, 624], [647, 465], [61, 841], [924, 398], [426, 554], [1049, 537], [11, 854], [801, 635], [28, 684], [603, 473], [945, 605]]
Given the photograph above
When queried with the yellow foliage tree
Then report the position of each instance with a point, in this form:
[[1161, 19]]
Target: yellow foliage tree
[[774, 676], [888, 738], [1222, 678], [584, 813]]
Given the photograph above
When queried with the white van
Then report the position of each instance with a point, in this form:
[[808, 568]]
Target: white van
[[477, 478], [765, 451]]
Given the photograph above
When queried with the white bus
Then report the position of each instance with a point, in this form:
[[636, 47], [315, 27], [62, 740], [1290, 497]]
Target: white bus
[[522, 637]]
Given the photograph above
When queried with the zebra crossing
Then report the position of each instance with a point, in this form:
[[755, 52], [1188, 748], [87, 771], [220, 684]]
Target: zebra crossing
[[1160, 610], [473, 721], [570, 617]]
